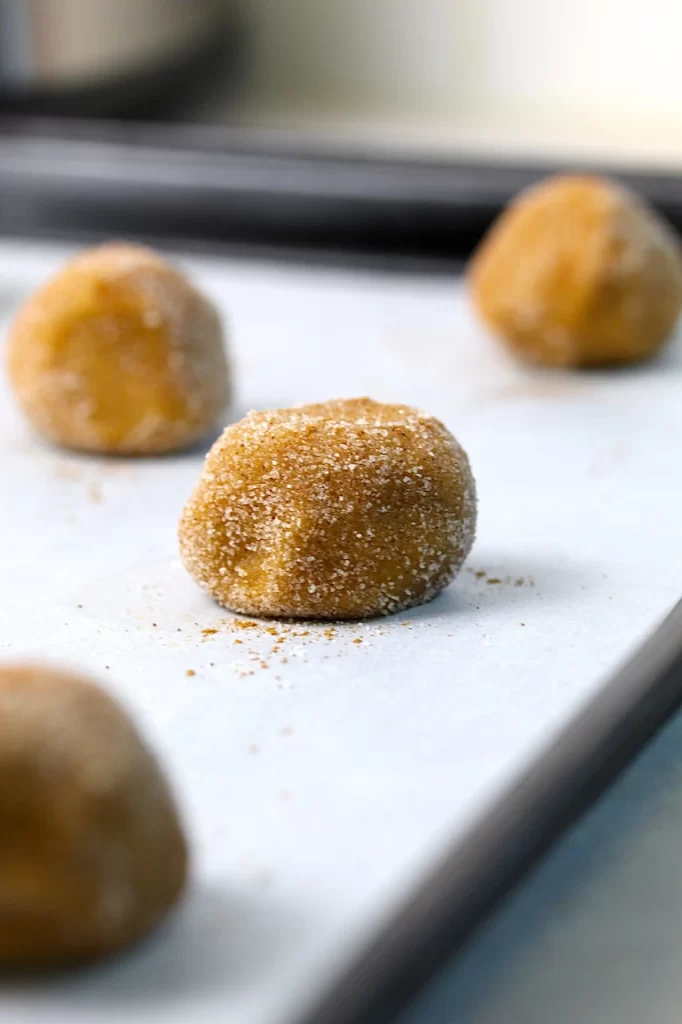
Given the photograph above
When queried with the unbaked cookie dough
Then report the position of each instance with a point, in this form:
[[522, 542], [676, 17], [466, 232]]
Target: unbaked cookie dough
[[92, 853], [340, 510], [119, 353], [579, 272]]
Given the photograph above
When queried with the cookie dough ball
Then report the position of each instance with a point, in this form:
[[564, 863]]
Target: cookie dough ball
[[119, 353], [92, 853], [579, 272], [341, 510]]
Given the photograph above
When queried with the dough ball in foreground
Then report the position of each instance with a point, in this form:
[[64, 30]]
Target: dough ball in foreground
[[92, 853], [579, 272], [119, 353], [340, 510]]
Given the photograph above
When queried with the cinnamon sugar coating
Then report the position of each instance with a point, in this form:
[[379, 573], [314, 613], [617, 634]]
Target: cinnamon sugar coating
[[339, 510], [92, 853], [578, 271], [119, 353]]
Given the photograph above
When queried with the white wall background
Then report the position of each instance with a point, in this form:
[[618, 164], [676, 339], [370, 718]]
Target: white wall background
[[374, 52], [596, 58]]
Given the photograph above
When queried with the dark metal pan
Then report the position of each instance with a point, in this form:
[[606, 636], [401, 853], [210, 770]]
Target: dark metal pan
[[247, 191], [447, 908]]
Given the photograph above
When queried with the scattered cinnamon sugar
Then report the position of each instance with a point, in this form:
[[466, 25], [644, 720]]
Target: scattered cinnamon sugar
[[288, 641], [68, 471], [511, 581], [95, 493], [190, 672]]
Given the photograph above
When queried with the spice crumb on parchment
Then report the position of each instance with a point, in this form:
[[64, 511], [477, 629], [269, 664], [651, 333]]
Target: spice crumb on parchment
[[267, 644], [510, 581], [95, 493]]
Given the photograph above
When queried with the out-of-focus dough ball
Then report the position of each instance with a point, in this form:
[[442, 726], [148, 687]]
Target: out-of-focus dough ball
[[340, 510], [579, 272], [119, 353], [92, 855]]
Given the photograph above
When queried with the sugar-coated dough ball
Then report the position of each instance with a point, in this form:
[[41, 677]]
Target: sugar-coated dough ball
[[579, 272], [92, 855], [340, 510], [120, 353]]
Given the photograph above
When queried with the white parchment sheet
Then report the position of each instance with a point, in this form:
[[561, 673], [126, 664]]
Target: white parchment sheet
[[322, 770]]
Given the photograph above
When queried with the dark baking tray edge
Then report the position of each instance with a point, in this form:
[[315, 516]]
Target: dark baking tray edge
[[448, 907], [260, 191]]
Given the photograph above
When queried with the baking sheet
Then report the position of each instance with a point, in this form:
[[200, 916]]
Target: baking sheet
[[321, 779]]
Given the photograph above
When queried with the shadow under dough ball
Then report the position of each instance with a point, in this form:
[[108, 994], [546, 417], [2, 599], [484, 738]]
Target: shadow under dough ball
[[341, 510], [92, 854], [119, 353], [578, 271]]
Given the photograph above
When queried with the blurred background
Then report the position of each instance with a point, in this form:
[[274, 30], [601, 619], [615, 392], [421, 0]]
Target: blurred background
[[590, 77], [593, 78], [392, 130]]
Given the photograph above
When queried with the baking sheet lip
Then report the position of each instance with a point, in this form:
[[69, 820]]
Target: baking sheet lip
[[340, 259], [223, 184], [129, 145], [243, 141], [445, 911]]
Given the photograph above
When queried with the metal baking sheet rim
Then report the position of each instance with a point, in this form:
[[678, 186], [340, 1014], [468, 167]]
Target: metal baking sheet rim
[[260, 190], [470, 880]]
